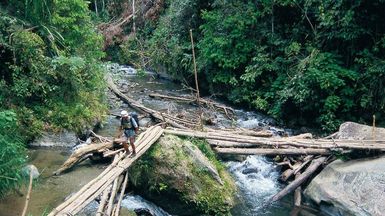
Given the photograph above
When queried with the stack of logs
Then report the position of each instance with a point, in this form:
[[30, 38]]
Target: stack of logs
[[301, 154], [310, 154], [110, 181]]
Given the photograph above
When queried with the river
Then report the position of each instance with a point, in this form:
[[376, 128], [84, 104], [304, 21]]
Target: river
[[254, 188]]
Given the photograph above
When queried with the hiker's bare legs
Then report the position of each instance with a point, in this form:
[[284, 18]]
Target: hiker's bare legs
[[125, 146], [132, 140]]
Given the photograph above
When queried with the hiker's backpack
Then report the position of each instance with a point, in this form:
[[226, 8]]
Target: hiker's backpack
[[135, 116]]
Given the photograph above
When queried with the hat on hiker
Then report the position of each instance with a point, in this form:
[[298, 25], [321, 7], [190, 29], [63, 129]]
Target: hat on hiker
[[124, 113]]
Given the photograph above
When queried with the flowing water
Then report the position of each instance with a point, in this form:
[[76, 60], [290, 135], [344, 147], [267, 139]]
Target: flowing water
[[256, 176]]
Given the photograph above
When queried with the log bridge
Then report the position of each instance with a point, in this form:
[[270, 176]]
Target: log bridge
[[310, 155], [107, 184], [109, 181]]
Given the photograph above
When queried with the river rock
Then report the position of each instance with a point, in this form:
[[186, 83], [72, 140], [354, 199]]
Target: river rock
[[352, 188], [90, 209], [352, 130], [31, 169], [50, 139], [145, 122], [250, 170], [176, 175], [201, 161]]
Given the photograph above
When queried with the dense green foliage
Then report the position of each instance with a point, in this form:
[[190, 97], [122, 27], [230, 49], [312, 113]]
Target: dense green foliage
[[304, 62], [51, 75], [50, 70], [11, 152]]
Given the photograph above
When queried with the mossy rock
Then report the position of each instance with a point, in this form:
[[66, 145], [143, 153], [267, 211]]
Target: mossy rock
[[184, 177]]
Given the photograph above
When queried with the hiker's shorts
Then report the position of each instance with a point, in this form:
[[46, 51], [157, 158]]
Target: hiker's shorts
[[129, 133]]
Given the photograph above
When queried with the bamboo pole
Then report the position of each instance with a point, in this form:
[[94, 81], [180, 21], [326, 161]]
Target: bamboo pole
[[133, 17], [28, 194], [121, 194], [263, 151], [195, 67], [112, 197], [280, 142], [374, 127]]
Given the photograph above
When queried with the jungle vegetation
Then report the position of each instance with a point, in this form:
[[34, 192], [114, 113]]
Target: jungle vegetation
[[303, 62]]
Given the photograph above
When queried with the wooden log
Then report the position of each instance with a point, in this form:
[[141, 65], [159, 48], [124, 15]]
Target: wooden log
[[28, 194], [302, 136], [285, 174], [188, 99], [242, 131], [103, 201], [297, 192], [139, 107], [296, 168], [112, 153], [79, 153], [266, 151], [121, 194], [279, 142], [230, 144], [182, 99], [112, 197], [307, 160], [298, 181]]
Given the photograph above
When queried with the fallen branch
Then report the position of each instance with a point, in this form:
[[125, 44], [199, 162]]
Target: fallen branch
[[139, 107], [78, 155], [298, 181], [206, 102]]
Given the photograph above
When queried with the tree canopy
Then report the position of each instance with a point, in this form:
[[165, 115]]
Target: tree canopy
[[304, 62]]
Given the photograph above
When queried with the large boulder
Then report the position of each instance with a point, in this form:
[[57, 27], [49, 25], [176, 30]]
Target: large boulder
[[350, 188], [61, 139], [352, 130], [177, 176]]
